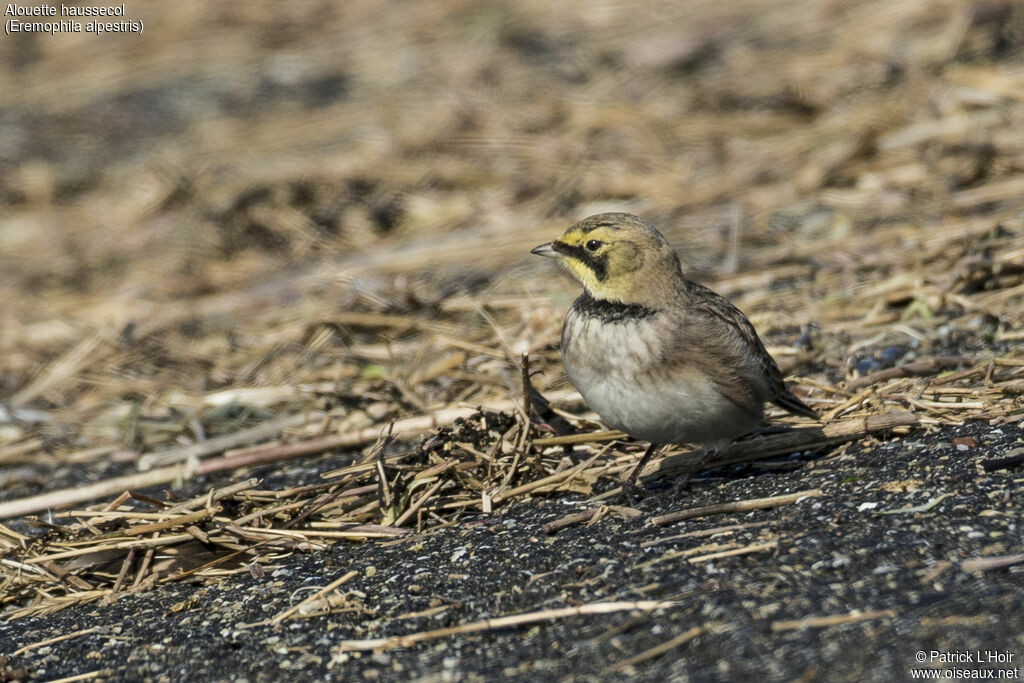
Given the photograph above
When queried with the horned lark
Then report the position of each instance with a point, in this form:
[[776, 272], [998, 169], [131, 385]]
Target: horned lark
[[660, 357]]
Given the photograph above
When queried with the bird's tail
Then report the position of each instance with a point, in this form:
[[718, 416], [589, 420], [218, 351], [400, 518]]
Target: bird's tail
[[791, 404]]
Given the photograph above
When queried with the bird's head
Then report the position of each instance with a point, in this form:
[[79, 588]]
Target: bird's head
[[618, 257]]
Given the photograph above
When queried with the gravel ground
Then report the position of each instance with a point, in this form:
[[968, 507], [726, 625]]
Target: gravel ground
[[887, 540]]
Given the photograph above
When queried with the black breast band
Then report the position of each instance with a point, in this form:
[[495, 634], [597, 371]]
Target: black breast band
[[610, 311]]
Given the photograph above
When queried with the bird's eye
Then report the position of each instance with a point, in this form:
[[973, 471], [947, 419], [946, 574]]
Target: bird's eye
[[593, 245]]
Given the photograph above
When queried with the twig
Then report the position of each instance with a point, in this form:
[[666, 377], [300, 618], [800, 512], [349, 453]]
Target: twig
[[25, 567], [429, 612], [833, 620], [214, 496], [570, 520], [51, 641], [673, 555], [704, 533], [63, 498], [682, 638], [345, 578], [128, 560], [419, 503], [745, 550], [983, 564], [403, 429], [179, 520], [384, 493], [526, 383], [219, 444], [924, 507], [917, 368], [20, 452], [501, 622], [10, 533], [357, 532], [98, 673], [117, 502], [147, 559], [587, 515], [736, 506], [169, 539]]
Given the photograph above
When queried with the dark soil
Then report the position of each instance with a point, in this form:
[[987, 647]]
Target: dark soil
[[837, 554]]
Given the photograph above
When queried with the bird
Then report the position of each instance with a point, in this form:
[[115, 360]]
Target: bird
[[656, 355]]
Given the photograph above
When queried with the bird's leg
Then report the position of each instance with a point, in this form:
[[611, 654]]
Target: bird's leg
[[629, 486]]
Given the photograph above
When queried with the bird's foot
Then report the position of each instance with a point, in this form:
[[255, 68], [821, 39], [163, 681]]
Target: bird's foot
[[631, 493]]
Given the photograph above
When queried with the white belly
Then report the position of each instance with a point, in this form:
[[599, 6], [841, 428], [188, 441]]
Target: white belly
[[613, 365]]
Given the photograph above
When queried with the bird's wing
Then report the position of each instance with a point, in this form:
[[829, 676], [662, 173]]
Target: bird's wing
[[733, 352]]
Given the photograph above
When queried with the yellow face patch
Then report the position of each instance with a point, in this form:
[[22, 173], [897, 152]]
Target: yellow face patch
[[598, 258], [583, 273]]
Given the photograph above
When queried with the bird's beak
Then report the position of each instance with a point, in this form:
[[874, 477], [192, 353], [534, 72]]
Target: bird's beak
[[546, 249]]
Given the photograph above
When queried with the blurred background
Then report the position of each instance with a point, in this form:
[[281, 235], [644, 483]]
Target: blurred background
[[182, 211]]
